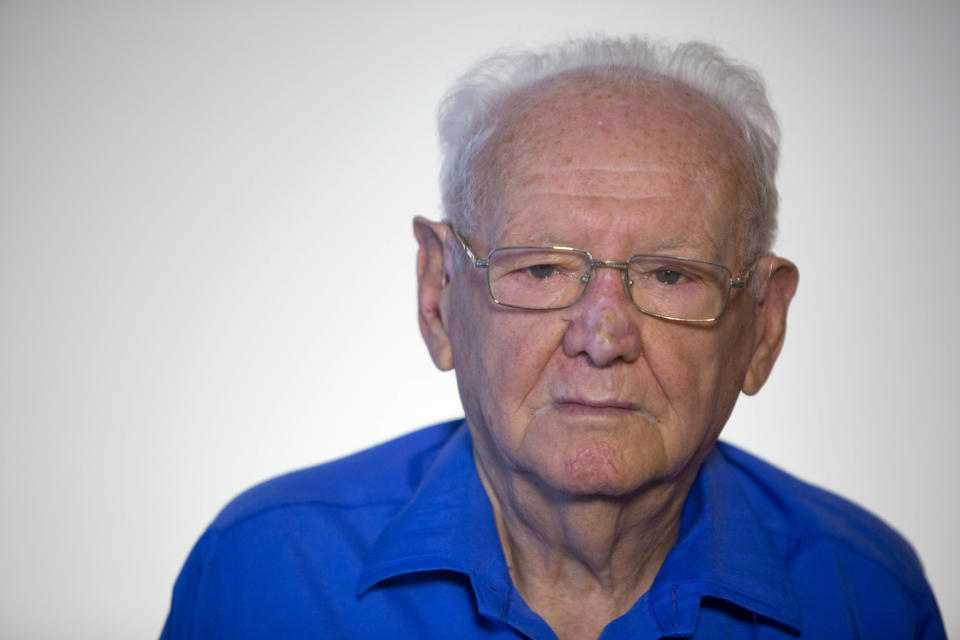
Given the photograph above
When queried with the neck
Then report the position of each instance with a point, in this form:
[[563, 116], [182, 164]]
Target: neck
[[582, 561]]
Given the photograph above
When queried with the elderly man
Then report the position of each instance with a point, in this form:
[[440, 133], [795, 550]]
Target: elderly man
[[604, 289]]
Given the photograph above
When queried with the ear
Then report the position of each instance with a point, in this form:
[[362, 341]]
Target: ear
[[432, 291], [776, 291]]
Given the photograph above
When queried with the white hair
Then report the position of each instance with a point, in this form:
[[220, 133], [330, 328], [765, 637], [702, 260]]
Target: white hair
[[471, 113]]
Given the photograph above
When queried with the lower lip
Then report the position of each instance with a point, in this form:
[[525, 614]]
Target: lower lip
[[587, 410]]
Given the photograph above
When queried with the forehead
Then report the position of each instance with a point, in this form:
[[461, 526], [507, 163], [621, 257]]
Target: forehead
[[643, 149], [662, 115]]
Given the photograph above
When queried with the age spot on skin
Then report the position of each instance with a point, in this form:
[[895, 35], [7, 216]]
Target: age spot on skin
[[602, 325]]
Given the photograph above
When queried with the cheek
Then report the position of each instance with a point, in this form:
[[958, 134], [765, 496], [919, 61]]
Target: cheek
[[673, 354], [516, 349], [690, 365], [499, 353]]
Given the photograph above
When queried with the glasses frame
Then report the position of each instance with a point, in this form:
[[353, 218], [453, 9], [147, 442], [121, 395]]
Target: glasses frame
[[732, 283]]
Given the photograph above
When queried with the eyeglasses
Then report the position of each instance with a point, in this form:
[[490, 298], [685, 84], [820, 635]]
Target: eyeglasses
[[669, 287]]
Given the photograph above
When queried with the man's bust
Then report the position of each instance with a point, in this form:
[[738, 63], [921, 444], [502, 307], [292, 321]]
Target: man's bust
[[604, 287]]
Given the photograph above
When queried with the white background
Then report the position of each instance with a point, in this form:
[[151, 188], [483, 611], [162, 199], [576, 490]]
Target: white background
[[207, 277]]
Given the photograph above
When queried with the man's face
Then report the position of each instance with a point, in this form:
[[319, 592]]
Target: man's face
[[600, 398]]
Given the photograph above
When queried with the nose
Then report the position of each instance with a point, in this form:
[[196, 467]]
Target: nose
[[604, 324]]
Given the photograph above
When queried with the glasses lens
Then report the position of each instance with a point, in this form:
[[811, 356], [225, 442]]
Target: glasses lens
[[679, 288], [535, 278]]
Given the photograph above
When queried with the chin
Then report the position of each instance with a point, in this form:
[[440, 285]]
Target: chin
[[594, 457], [596, 469]]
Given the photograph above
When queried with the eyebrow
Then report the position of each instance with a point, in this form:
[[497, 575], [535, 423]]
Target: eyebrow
[[671, 244], [662, 246]]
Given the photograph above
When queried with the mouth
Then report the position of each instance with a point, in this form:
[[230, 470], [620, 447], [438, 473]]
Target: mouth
[[598, 408]]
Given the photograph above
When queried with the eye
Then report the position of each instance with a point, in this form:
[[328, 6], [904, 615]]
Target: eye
[[541, 271], [667, 276]]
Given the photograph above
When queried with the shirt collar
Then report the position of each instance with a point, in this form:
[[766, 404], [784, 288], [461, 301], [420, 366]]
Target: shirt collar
[[447, 525], [722, 551]]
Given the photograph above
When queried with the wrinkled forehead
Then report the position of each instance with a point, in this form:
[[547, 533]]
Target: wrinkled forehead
[[659, 127]]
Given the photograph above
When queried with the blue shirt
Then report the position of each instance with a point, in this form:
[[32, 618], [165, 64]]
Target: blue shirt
[[399, 541]]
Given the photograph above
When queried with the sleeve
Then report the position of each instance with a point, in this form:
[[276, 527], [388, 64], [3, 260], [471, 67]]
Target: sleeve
[[931, 623], [194, 606]]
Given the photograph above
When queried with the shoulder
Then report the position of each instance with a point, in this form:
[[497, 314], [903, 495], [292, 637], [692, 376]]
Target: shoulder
[[385, 474], [844, 562], [794, 508], [803, 516], [271, 554]]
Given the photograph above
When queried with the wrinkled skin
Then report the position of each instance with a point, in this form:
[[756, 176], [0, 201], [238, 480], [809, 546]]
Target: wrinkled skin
[[593, 420], [567, 396]]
